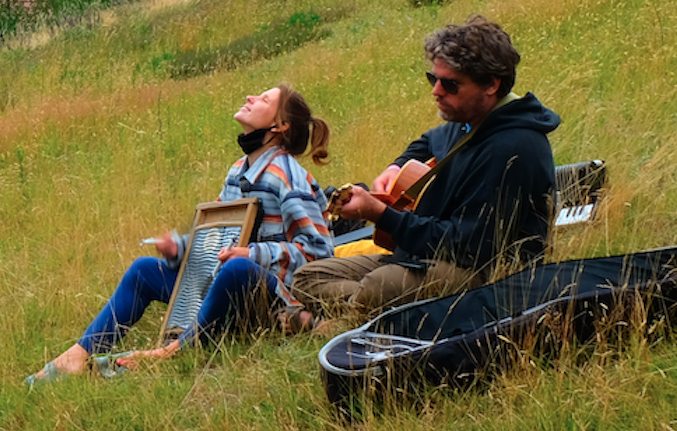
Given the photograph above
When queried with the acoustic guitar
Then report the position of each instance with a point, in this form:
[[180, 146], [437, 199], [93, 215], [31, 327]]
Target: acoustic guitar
[[396, 196], [411, 178]]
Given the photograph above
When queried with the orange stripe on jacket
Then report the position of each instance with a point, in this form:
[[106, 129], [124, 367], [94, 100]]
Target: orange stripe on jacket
[[305, 222], [278, 172], [272, 219], [284, 261], [309, 257], [302, 222], [322, 229]]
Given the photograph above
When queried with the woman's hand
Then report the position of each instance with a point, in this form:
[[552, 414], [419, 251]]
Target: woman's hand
[[166, 246], [230, 253]]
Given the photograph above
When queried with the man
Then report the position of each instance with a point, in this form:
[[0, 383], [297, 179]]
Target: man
[[490, 206]]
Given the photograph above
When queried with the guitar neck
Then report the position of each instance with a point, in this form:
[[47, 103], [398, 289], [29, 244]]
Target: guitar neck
[[396, 202]]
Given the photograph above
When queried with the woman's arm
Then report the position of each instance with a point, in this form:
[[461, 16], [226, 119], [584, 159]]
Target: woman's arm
[[307, 237]]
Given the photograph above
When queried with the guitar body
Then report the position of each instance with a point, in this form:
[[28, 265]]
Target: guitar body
[[397, 198], [396, 195]]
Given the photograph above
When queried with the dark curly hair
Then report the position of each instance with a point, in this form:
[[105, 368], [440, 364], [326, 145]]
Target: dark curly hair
[[478, 48]]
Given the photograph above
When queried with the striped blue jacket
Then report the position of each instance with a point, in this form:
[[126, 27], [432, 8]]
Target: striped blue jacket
[[294, 229]]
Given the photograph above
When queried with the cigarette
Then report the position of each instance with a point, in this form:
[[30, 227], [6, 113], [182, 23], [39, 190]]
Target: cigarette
[[148, 241]]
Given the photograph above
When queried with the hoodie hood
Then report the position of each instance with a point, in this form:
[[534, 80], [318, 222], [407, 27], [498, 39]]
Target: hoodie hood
[[524, 113]]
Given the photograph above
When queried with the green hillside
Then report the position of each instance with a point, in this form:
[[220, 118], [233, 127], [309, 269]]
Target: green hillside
[[114, 126]]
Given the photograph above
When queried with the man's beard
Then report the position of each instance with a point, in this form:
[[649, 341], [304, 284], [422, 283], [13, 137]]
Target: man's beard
[[472, 111], [443, 115]]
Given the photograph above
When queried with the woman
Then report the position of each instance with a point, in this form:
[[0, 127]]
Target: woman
[[276, 127]]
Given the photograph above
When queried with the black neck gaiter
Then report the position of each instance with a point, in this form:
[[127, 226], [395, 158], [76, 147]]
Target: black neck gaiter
[[252, 141]]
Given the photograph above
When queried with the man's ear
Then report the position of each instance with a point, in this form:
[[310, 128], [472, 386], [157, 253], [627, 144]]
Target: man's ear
[[492, 89], [280, 129]]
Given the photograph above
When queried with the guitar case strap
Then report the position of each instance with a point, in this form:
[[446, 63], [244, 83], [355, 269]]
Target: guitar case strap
[[413, 191]]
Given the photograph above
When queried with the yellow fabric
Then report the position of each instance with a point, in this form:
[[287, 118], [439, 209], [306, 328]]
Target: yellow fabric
[[359, 248]]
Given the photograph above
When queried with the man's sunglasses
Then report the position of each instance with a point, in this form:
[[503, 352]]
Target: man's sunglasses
[[449, 85]]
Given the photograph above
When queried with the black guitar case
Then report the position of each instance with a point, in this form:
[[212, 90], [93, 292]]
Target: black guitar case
[[451, 339]]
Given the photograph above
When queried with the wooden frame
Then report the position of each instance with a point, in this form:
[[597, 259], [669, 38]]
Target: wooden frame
[[216, 225]]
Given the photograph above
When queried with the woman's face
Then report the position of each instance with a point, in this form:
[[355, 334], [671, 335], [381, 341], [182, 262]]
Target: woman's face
[[259, 111]]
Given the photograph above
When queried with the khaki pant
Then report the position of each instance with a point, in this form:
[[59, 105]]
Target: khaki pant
[[367, 285]]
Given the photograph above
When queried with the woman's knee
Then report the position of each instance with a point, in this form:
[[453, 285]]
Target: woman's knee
[[238, 268], [147, 276], [144, 266], [235, 275]]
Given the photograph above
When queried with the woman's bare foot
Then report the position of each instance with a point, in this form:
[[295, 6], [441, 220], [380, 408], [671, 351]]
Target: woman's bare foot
[[72, 361], [132, 361]]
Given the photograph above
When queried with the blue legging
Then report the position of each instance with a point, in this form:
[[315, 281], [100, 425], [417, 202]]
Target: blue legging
[[149, 279]]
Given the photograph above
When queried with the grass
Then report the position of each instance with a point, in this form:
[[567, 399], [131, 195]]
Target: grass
[[299, 29], [99, 147], [18, 17]]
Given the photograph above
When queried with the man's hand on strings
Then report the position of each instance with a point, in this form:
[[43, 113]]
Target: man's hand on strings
[[362, 205], [383, 181]]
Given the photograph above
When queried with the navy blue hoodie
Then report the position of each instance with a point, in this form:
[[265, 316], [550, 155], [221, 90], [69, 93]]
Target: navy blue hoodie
[[494, 198]]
